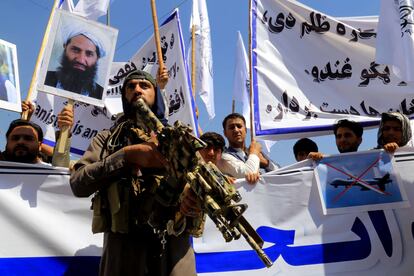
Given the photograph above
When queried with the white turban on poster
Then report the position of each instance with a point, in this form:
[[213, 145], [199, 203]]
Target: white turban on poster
[[78, 28]]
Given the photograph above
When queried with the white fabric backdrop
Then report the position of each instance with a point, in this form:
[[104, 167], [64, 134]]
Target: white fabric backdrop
[[311, 69], [46, 230]]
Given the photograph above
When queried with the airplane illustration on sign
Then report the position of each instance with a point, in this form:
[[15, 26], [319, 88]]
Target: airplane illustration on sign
[[376, 184]]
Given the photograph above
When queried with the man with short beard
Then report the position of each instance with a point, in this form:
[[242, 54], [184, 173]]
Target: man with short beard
[[348, 137], [394, 131], [238, 160], [24, 140], [78, 65]]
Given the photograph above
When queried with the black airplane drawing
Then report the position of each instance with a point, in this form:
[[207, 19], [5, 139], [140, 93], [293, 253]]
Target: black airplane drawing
[[365, 184]]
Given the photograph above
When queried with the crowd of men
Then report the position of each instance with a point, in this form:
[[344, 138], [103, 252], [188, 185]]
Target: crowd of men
[[394, 132], [123, 169]]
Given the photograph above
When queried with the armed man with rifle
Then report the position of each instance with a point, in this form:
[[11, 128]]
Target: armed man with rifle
[[123, 167], [150, 185]]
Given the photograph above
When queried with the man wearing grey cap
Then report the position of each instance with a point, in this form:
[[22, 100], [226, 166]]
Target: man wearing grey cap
[[78, 64], [123, 167]]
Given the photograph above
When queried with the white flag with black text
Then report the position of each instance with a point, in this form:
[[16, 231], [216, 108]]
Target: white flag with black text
[[395, 40], [204, 57]]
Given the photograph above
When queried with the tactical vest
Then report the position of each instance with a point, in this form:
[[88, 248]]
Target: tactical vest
[[127, 203]]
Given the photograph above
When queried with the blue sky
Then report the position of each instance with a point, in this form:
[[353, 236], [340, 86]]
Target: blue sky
[[25, 22]]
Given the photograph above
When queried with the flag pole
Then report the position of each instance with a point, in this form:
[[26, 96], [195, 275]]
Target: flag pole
[[193, 72], [157, 35], [193, 63], [107, 17], [64, 134], [250, 72], [33, 82]]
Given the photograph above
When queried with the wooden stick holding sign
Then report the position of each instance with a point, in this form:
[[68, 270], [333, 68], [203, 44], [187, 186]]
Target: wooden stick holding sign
[[193, 71], [250, 75], [64, 133], [157, 35], [193, 61], [39, 58]]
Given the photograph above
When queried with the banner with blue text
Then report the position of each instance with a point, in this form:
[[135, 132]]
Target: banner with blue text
[[47, 231], [285, 209]]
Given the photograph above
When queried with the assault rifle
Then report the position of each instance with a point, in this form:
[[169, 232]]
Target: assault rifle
[[219, 198]]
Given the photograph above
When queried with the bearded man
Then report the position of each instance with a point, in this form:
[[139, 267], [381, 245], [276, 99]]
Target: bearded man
[[78, 65], [24, 140], [123, 167]]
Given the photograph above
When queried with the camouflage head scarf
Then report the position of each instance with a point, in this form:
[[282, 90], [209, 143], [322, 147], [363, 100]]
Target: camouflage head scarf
[[159, 106]]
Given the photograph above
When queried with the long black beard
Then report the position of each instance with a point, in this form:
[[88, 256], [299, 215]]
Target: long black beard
[[73, 79]]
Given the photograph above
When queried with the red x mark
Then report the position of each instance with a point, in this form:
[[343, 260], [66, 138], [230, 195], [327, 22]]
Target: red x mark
[[356, 180]]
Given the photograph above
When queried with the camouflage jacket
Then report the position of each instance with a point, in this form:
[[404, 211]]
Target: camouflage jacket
[[123, 201]]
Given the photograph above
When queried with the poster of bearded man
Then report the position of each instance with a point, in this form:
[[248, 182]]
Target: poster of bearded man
[[77, 60], [9, 77]]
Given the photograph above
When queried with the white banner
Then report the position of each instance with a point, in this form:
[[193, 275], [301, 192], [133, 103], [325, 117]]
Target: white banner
[[46, 230], [179, 99], [89, 120], [285, 209], [310, 69]]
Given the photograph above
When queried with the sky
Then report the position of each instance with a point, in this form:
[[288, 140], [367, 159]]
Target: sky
[[26, 20]]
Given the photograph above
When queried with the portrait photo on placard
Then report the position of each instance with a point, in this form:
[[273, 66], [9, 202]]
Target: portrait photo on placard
[[9, 77], [77, 59]]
